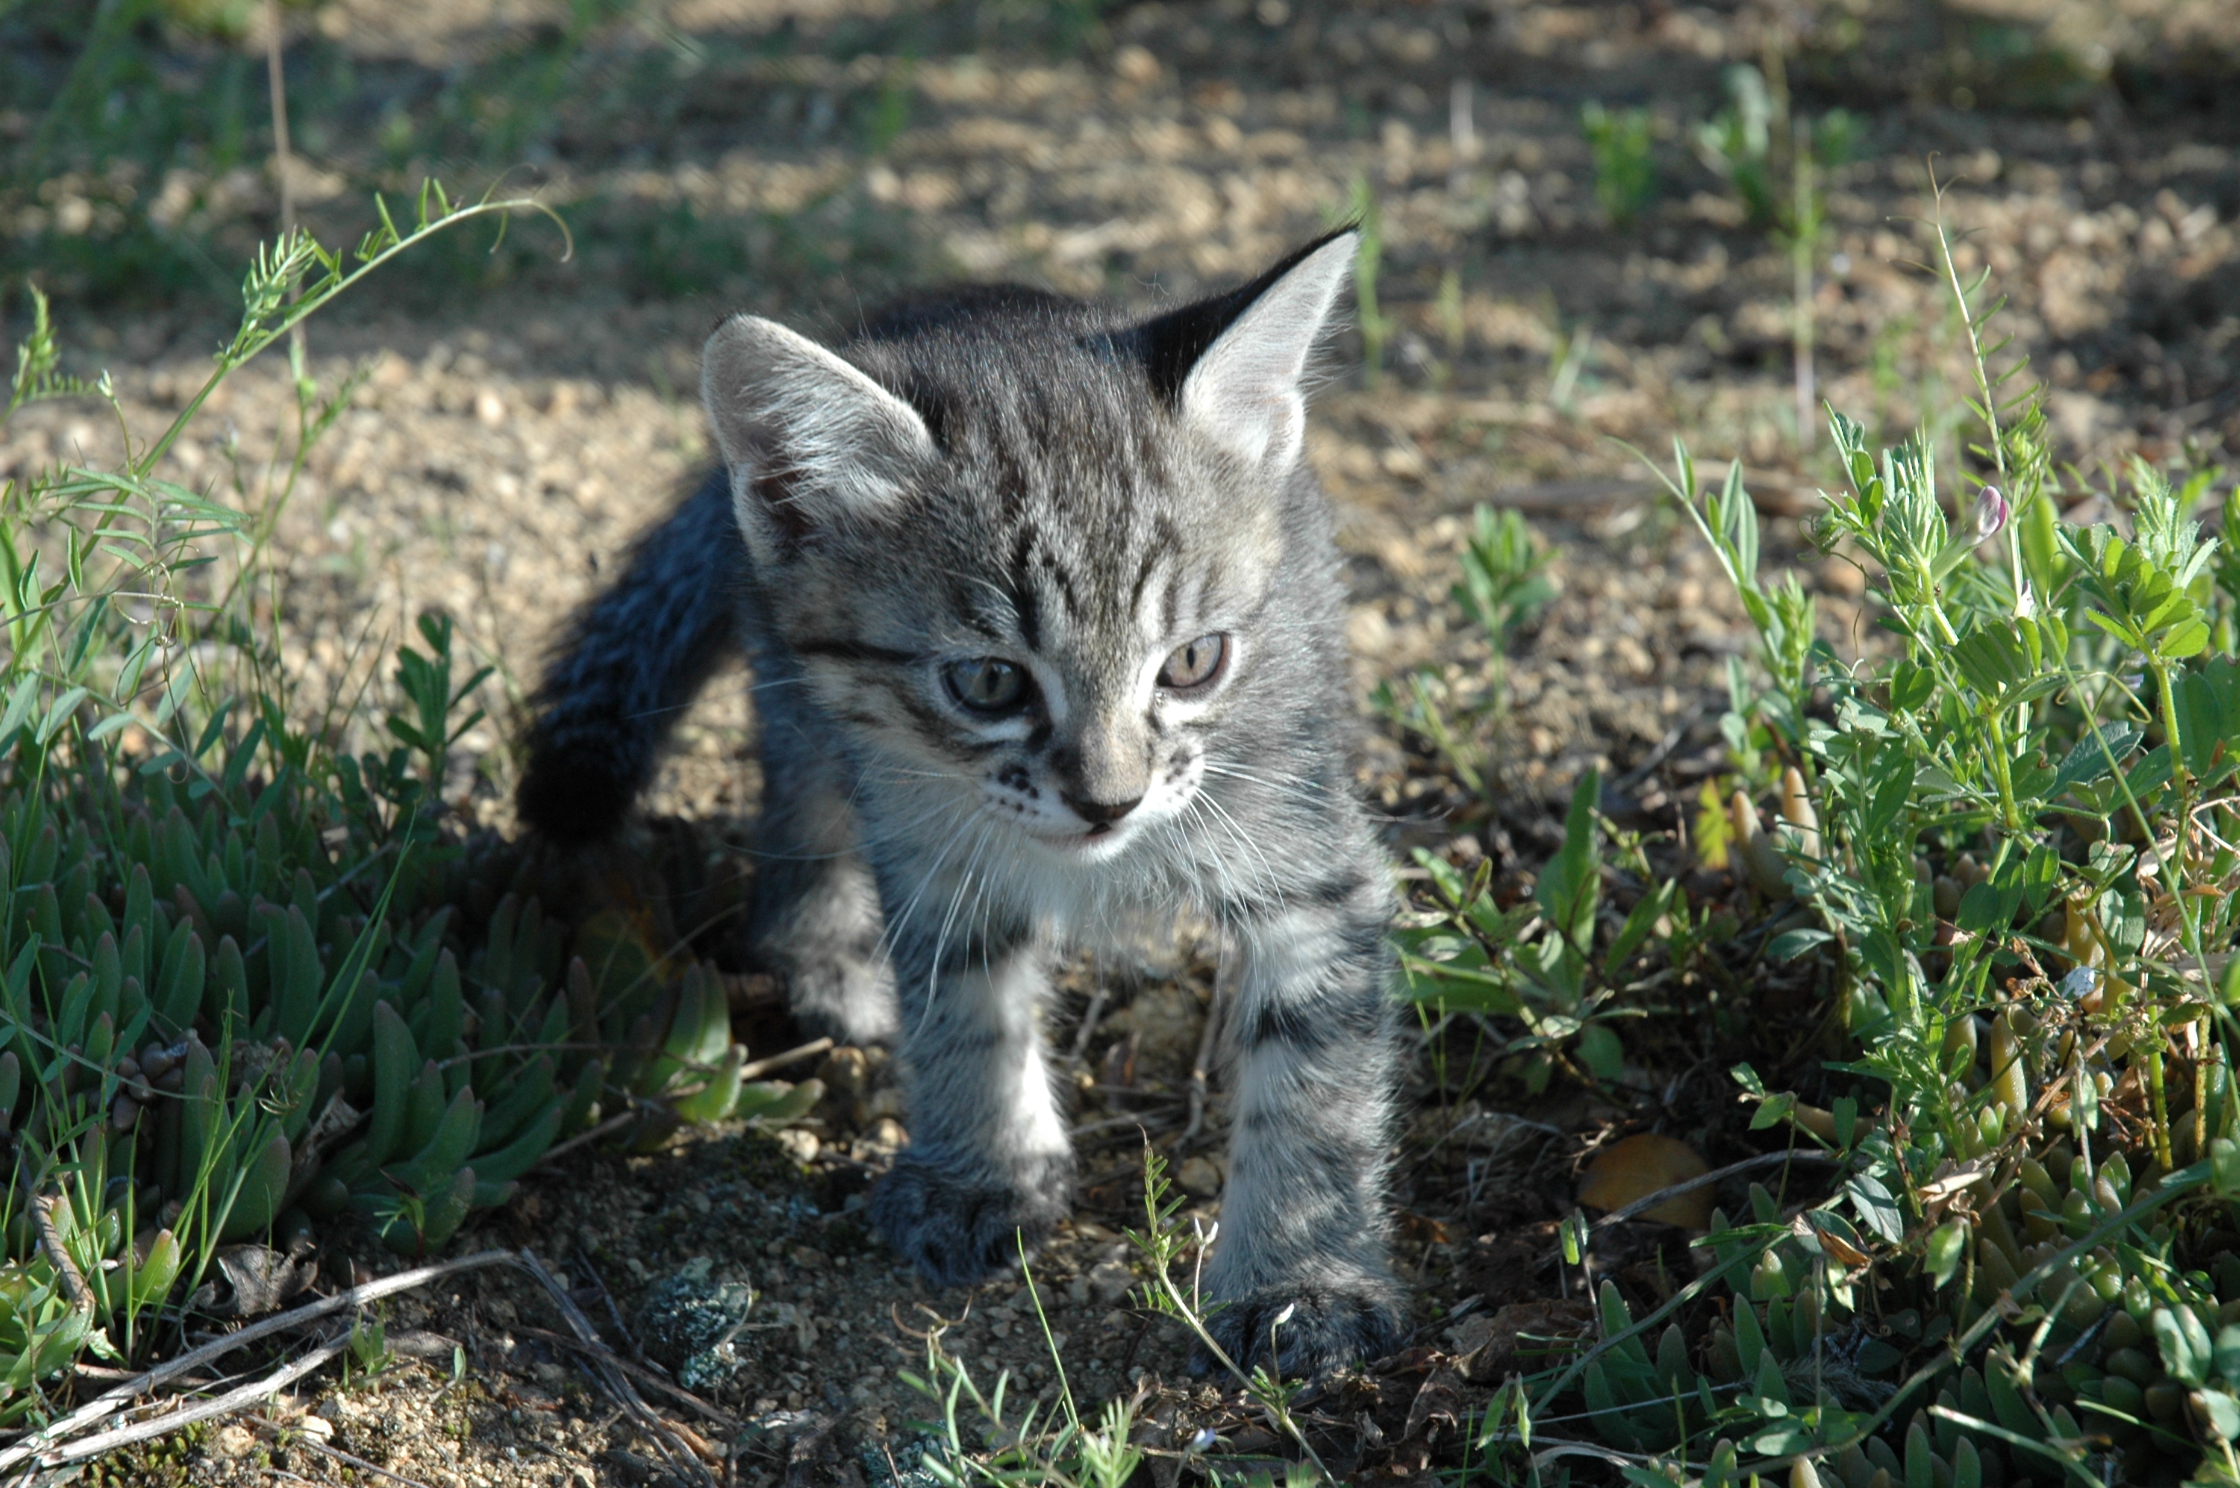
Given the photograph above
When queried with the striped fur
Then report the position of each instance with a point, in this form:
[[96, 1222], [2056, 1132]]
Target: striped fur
[[1006, 487]]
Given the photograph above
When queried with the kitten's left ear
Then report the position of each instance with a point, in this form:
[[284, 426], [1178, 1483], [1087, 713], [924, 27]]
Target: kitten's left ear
[[1231, 366]]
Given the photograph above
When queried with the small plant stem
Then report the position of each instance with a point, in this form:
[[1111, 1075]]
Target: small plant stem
[[1976, 358], [1975, 342], [1057, 1359], [1803, 240], [283, 154], [1269, 1400], [256, 340], [2162, 1153], [2176, 871], [2168, 699], [2002, 769], [2002, 773], [1462, 132], [2180, 866]]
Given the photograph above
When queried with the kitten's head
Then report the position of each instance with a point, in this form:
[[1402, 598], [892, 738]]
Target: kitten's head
[[1029, 556]]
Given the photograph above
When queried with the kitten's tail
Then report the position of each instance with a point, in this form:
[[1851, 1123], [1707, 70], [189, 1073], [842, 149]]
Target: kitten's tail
[[630, 665]]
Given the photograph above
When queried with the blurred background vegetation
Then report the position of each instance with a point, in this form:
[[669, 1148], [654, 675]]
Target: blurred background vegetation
[[137, 159]]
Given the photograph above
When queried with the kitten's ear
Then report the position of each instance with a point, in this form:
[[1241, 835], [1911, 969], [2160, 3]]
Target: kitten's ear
[[1232, 365], [807, 438]]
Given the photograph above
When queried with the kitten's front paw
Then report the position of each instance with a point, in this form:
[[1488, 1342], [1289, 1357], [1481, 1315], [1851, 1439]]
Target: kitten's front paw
[[1329, 1326], [959, 1228]]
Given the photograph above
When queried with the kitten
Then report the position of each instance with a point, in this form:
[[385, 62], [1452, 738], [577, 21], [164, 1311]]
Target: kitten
[[1046, 626]]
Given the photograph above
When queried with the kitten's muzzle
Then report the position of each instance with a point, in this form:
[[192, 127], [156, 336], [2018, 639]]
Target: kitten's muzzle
[[1100, 815]]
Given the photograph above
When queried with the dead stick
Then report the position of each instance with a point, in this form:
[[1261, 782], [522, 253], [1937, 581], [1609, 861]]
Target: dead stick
[[761, 1067], [233, 1400], [1107, 1123], [1088, 1026], [605, 1128], [637, 1372], [1208, 1041], [617, 1384], [612, 1124], [111, 1401], [621, 1328], [1762, 1160]]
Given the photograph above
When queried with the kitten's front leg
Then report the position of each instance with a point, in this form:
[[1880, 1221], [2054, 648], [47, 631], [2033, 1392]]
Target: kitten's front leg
[[1303, 1248], [816, 907], [989, 1155]]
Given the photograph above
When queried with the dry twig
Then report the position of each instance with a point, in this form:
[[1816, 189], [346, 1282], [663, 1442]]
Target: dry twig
[[111, 1401], [108, 1441], [723, 1419], [684, 1451], [1208, 1041], [1763, 1160], [1088, 1028], [755, 1069], [607, 1127]]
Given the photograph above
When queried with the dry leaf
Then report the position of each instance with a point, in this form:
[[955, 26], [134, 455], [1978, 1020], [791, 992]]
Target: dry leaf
[[1951, 1178], [1637, 1167], [1436, 1408]]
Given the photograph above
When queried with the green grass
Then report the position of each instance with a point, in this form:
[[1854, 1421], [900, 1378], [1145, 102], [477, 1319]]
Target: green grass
[[1625, 168]]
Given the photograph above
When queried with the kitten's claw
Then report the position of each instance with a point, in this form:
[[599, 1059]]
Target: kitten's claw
[[1316, 1328], [957, 1229]]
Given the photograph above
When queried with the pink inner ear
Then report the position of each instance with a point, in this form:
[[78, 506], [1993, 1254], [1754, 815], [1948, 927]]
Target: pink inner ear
[[1244, 392], [797, 415]]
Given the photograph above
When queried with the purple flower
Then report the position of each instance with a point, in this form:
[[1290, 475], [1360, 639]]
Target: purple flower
[[1991, 514]]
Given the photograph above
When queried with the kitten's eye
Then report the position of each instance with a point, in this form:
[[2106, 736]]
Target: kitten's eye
[[1195, 664], [987, 684]]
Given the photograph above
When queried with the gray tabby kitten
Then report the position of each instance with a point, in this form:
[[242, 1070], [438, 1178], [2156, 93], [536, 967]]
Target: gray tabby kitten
[[1046, 625]]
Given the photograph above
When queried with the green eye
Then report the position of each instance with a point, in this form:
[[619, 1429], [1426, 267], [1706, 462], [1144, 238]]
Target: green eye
[[987, 684], [1194, 664]]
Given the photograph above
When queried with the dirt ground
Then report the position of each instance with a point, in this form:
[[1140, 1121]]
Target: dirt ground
[[502, 451]]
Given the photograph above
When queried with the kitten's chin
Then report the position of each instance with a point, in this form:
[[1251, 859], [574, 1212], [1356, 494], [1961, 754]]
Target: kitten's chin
[[1076, 849]]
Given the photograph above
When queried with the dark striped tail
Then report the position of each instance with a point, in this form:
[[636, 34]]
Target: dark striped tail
[[630, 666]]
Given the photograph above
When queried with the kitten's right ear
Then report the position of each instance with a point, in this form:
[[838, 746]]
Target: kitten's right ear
[[808, 438], [1232, 365]]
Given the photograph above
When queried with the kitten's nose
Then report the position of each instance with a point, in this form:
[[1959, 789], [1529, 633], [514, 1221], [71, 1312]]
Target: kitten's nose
[[1101, 813]]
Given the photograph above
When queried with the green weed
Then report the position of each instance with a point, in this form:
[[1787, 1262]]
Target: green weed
[[2010, 838], [1775, 161], [1503, 587], [1625, 169]]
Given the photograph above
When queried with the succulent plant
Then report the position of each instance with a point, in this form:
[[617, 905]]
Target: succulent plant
[[216, 1025]]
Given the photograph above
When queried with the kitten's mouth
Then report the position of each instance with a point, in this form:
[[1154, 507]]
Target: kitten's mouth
[[1097, 841]]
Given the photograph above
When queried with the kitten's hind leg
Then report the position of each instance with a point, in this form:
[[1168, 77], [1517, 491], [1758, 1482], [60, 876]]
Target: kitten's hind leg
[[816, 908]]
